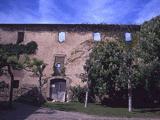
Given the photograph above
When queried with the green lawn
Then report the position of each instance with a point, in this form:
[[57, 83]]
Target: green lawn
[[100, 110]]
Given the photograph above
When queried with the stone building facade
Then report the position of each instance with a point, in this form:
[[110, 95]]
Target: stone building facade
[[63, 47]]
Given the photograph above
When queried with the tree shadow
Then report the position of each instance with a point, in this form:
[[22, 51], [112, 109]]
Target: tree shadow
[[140, 100], [149, 110], [30, 96], [61, 106], [67, 107], [25, 104], [23, 111]]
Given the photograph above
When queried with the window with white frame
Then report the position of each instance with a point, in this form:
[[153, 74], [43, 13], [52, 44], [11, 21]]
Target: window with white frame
[[128, 37], [97, 36], [61, 37]]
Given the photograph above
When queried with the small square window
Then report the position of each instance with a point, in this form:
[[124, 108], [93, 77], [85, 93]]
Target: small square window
[[20, 37], [128, 37], [15, 83], [61, 37], [97, 36]]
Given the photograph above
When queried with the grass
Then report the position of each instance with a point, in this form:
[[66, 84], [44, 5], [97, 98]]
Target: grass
[[99, 110]]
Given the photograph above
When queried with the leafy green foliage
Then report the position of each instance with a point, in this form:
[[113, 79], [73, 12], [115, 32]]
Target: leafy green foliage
[[31, 47], [150, 40], [10, 53], [113, 70], [150, 59], [108, 67], [150, 43], [17, 49], [78, 93], [113, 66], [9, 60], [37, 66]]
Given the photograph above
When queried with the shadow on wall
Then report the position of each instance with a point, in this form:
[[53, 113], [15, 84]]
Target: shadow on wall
[[26, 94], [30, 95], [4, 91]]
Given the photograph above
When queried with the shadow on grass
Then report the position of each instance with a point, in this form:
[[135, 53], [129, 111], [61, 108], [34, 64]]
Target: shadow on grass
[[144, 110], [60, 106]]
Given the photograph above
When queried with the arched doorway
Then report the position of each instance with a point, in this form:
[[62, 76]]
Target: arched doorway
[[58, 89]]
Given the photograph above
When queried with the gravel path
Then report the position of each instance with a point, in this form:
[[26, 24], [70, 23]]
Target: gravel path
[[27, 112]]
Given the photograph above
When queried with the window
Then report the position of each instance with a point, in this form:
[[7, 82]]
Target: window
[[59, 65], [61, 37], [15, 83], [59, 60], [0, 37], [20, 37], [97, 36], [128, 37]]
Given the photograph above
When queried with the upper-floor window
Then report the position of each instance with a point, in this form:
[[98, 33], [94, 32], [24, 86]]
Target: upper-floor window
[[96, 36], [0, 36], [61, 36], [20, 37], [59, 65], [128, 37]]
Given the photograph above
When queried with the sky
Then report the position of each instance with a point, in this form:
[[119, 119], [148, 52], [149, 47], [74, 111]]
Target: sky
[[78, 11]]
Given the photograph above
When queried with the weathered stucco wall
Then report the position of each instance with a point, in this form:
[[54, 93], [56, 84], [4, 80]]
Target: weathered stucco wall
[[76, 48], [49, 47], [7, 37]]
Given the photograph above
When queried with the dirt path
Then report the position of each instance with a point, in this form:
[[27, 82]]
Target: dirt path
[[27, 112]]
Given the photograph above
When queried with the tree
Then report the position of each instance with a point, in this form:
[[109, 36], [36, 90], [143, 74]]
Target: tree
[[150, 56], [37, 67], [111, 68], [150, 40], [84, 77], [104, 60], [128, 73], [9, 60]]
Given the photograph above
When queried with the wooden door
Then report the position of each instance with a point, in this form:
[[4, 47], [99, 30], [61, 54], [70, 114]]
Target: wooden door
[[58, 90]]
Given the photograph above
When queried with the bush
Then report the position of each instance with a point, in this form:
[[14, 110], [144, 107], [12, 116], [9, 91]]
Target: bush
[[31, 47], [78, 93], [3, 85]]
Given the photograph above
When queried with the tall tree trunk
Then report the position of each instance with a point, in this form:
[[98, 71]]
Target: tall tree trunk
[[11, 85], [40, 84], [86, 99], [129, 96], [40, 89]]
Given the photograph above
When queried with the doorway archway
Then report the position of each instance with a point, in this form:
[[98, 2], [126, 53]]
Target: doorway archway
[[58, 89]]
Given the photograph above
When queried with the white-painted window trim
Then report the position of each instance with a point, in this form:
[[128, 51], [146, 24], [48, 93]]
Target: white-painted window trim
[[61, 36], [128, 37], [97, 36]]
